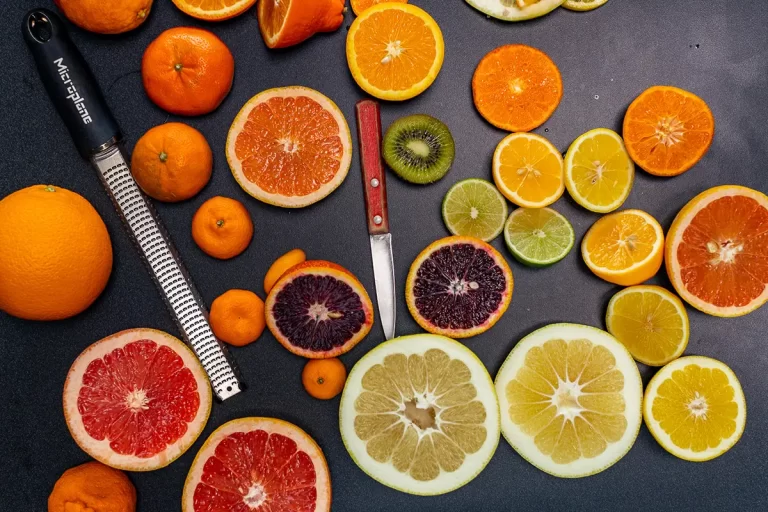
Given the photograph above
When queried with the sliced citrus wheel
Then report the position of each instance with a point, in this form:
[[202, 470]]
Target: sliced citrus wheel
[[288, 22], [583, 5], [695, 408], [318, 309], [668, 130], [517, 87], [515, 10], [651, 322], [624, 248], [359, 6], [528, 170], [459, 286], [717, 251], [474, 208], [419, 414], [289, 147], [538, 237], [394, 51], [260, 464], [570, 398], [598, 171], [214, 10], [136, 400]]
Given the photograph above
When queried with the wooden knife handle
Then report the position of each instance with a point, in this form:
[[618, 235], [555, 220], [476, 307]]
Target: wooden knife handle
[[374, 180]]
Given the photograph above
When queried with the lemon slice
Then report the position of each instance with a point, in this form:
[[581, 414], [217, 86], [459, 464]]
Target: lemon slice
[[528, 170], [419, 414], [570, 398], [583, 5], [598, 171], [695, 408], [651, 322]]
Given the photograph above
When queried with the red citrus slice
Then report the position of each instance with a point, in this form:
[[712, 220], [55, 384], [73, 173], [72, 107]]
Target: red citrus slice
[[136, 400], [458, 287], [289, 147], [717, 251], [258, 464], [318, 310]]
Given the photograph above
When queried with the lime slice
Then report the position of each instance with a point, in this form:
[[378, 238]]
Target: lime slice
[[474, 208], [538, 237], [583, 5]]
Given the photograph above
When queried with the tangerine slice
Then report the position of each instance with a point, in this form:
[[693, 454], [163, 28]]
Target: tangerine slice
[[528, 170]]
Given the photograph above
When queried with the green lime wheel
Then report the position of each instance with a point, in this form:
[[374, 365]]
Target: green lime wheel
[[538, 237], [476, 208]]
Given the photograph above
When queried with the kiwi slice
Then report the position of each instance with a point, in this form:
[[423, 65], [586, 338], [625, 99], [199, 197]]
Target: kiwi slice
[[419, 148]]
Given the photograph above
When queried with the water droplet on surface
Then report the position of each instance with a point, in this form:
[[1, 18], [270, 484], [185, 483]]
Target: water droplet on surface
[[597, 96], [546, 129]]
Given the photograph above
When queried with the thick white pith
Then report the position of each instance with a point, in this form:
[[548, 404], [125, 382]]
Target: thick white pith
[[515, 10]]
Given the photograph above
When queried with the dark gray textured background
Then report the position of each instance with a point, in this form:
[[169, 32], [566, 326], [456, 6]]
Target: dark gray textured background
[[719, 50]]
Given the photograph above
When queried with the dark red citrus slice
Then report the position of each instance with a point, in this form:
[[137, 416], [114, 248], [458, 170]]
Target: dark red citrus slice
[[136, 400], [458, 287], [318, 309], [258, 465]]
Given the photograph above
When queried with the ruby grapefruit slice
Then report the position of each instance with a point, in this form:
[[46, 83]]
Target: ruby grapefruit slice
[[258, 464], [136, 400], [318, 310], [458, 287], [717, 251]]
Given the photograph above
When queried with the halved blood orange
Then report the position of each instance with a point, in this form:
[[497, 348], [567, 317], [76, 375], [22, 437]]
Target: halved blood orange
[[258, 464], [289, 22], [458, 287], [136, 400], [318, 309], [717, 251], [668, 130], [214, 10], [517, 87], [289, 147]]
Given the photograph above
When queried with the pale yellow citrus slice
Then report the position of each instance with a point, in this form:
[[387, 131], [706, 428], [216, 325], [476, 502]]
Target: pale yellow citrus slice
[[695, 408], [528, 170], [583, 5]]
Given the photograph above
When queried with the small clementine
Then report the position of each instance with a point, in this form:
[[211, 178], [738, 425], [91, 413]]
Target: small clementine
[[93, 487], [222, 227], [106, 16], [281, 265], [237, 317], [324, 378]]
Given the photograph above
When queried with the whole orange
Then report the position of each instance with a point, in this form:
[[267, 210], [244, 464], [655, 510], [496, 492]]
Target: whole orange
[[222, 227], [172, 162], [324, 378], [187, 71], [55, 253], [237, 317], [93, 487], [106, 16]]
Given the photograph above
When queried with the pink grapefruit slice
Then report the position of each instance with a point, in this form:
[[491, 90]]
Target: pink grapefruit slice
[[136, 400], [258, 465]]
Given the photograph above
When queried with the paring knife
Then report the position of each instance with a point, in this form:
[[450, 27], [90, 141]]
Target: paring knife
[[374, 184], [76, 96]]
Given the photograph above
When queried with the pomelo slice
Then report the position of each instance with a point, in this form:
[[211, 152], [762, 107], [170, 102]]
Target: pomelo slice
[[570, 398], [258, 464], [515, 10], [419, 414], [136, 400]]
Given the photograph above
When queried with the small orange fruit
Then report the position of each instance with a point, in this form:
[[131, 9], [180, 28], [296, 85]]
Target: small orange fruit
[[106, 16], [359, 6], [281, 265], [56, 254], [93, 487], [289, 22], [222, 227], [172, 162], [237, 317], [187, 71], [214, 10], [324, 378]]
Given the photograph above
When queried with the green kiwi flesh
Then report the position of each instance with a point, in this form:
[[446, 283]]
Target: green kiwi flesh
[[419, 148]]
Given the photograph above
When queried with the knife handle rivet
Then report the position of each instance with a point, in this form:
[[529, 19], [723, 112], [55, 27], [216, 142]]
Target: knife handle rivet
[[377, 220], [374, 183]]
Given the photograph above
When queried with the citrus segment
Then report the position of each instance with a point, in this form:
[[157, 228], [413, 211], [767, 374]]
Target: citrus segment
[[517, 87], [668, 130], [474, 208], [419, 414], [528, 170], [570, 397], [538, 236], [394, 51], [214, 10], [695, 408], [289, 147], [359, 6], [515, 10], [583, 5]]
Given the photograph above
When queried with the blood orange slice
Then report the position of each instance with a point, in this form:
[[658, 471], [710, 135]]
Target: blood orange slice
[[318, 310], [717, 251], [458, 287], [136, 400], [258, 464], [289, 147]]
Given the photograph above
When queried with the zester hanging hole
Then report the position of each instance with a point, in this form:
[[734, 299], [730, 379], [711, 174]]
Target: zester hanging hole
[[377, 220]]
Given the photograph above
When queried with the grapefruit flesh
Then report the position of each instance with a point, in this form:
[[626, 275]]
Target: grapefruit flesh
[[136, 400]]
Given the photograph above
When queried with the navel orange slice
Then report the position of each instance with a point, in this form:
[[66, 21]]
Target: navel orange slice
[[359, 6], [214, 10]]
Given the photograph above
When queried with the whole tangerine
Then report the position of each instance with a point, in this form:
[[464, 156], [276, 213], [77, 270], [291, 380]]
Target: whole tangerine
[[93, 487], [237, 317], [106, 16], [324, 378], [222, 227]]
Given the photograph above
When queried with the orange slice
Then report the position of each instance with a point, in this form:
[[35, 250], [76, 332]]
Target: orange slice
[[717, 251], [288, 22], [289, 147], [624, 248], [214, 10], [528, 170], [668, 130], [359, 6], [516, 87], [394, 51]]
